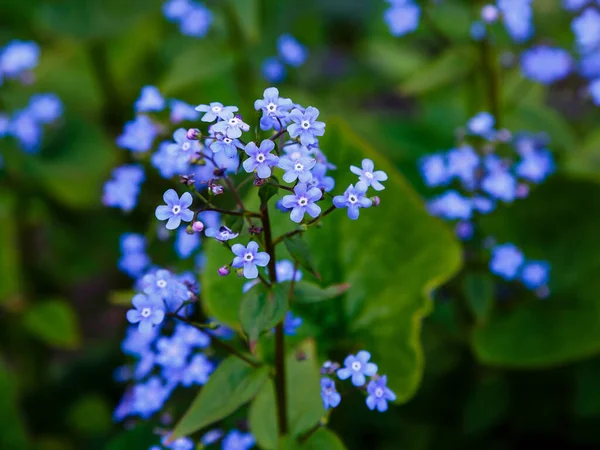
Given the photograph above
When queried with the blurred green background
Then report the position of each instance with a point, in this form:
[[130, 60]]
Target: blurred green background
[[524, 373]]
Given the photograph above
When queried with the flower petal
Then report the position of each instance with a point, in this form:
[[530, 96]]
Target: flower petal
[[250, 271], [170, 197], [173, 222], [163, 212], [262, 259]]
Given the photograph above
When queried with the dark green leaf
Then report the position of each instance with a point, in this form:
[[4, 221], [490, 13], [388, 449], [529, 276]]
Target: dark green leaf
[[230, 386], [12, 430], [141, 436], [247, 13], [53, 321], [322, 439], [10, 275], [479, 292], [306, 292], [486, 405], [300, 252], [234, 223], [262, 309], [267, 191]]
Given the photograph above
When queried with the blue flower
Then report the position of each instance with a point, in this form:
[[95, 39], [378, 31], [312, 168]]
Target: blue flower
[[477, 30], [232, 126], [136, 343], [353, 199], [249, 257], [500, 184], [183, 443], [535, 274], [196, 21], [274, 109], [594, 89], [589, 65], [291, 51], [506, 261], [183, 145], [221, 234], [149, 311], [186, 244], [198, 371], [402, 18], [176, 209], [18, 56], [291, 323], [586, 28], [331, 398], [379, 394], [133, 243], [260, 158], [122, 190], [27, 130], [546, 64], [236, 440], [176, 10], [298, 169], [303, 202], [451, 205], [574, 5], [462, 163], [134, 259], [434, 170], [305, 125], [320, 179], [181, 111], [172, 352], [369, 176], [150, 100], [481, 124], [273, 70], [216, 110], [518, 18], [228, 146], [168, 163], [191, 336], [148, 398], [45, 108], [138, 135], [286, 272], [535, 166], [212, 436], [357, 366]]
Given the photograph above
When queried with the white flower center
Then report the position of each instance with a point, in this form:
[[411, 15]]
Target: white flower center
[[356, 366], [260, 157], [271, 107], [369, 175], [161, 284], [234, 121], [378, 392], [248, 257], [228, 140], [176, 209], [303, 201], [186, 146], [305, 124], [352, 199], [216, 109], [299, 167], [146, 312]]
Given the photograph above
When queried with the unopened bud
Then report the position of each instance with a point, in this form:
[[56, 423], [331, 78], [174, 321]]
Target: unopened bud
[[198, 226], [216, 189], [489, 13], [188, 180], [255, 230], [224, 271], [193, 134], [259, 181], [218, 172], [522, 190], [376, 200]]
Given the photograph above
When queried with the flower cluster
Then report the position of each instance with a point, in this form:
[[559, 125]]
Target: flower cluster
[[194, 19], [357, 368], [17, 61], [290, 52], [134, 259], [402, 17], [516, 16], [123, 189]]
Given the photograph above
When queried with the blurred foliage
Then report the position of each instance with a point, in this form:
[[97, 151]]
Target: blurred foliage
[[494, 374]]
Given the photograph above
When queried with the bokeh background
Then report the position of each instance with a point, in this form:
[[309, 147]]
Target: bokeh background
[[527, 375]]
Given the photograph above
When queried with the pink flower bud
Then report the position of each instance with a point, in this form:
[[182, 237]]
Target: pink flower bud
[[198, 226]]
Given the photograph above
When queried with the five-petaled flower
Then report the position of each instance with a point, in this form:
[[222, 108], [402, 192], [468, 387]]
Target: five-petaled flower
[[331, 398], [298, 169], [149, 311], [215, 111], [305, 126], [274, 109], [232, 126], [176, 209], [182, 145], [302, 202], [249, 257], [379, 394], [357, 366], [260, 158], [369, 176], [353, 199], [221, 234]]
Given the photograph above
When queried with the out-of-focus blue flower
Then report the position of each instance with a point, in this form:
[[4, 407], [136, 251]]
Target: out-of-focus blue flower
[[45, 108], [186, 244], [149, 397], [191, 336], [478, 30], [291, 324], [331, 398], [535, 166], [134, 259], [248, 258], [574, 5], [434, 170], [586, 28], [303, 202], [462, 163], [212, 436], [236, 440], [183, 443], [260, 158], [138, 134], [176, 209], [481, 124], [176, 10], [286, 272], [181, 111], [320, 179], [518, 18], [464, 230], [451, 205], [357, 366], [379, 394], [17, 57], [500, 184], [506, 261], [123, 189], [594, 89], [149, 311], [353, 199], [291, 51], [150, 100], [172, 352], [546, 64], [402, 17], [535, 274], [27, 130], [589, 64], [306, 126], [196, 22], [136, 343], [273, 70], [168, 163], [198, 371]]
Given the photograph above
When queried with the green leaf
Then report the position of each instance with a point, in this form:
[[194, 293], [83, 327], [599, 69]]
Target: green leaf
[[90, 415], [13, 434], [451, 66], [584, 160], [247, 13], [54, 322], [486, 405], [565, 327], [305, 407], [479, 292], [234, 223], [141, 436], [300, 252], [10, 275], [322, 439], [306, 292], [229, 387], [393, 59], [262, 309], [266, 192]]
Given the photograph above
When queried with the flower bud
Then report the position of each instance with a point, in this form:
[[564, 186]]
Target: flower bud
[[255, 230], [197, 226], [193, 134], [375, 201], [188, 180], [489, 13], [224, 271], [259, 181], [216, 189], [522, 190]]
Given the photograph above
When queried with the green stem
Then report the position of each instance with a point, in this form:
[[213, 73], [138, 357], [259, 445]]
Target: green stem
[[492, 79]]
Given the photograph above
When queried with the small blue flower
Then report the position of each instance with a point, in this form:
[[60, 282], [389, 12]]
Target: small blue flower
[[594, 89], [451, 205], [228, 146], [150, 100], [379, 394], [546, 64], [183, 145], [574, 5], [149, 311], [291, 323], [176, 10], [298, 169], [168, 163], [517, 16], [303, 202], [273, 108], [306, 126], [172, 352], [133, 243], [260, 158], [402, 18], [353, 199], [331, 398], [236, 440], [138, 135], [586, 28], [506, 261], [122, 190], [589, 64], [176, 209], [18, 56], [45, 108], [434, 170], [186, 244], [196, 21], [500, 184], [216, 110], [286, 271], [27, 130], [481, 124], [133, 264], [221, 234], [357, 366], [181, 111], [249, 257], [136, 343], [183, 443], [535, 274], [149, 397], [291, 51], [369, 176], [198, 371], [535, 166], [191, 336], [319, 178], [273, 70], [232, 126], [477, 30], [462, 163]]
